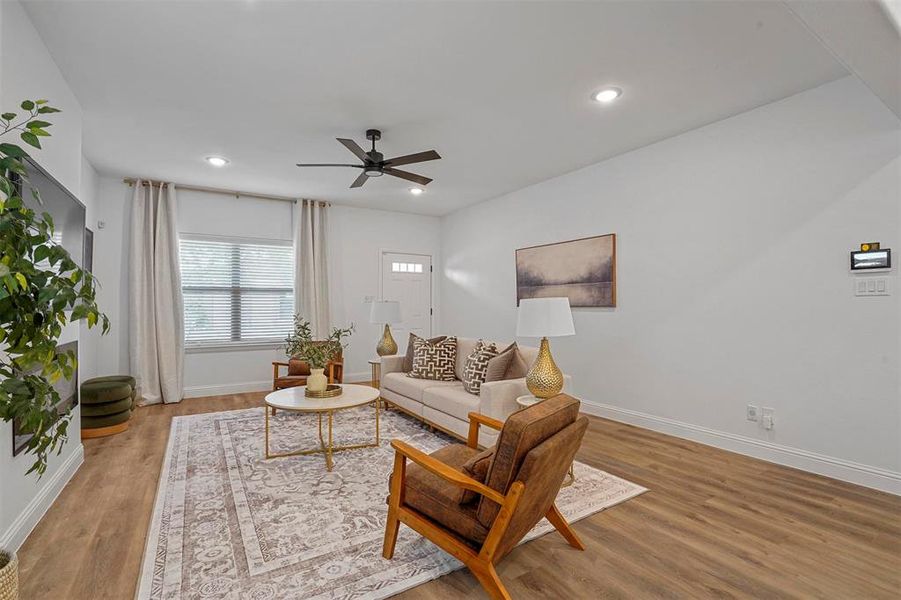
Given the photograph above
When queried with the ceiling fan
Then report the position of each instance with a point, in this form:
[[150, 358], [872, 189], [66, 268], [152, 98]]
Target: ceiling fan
[[375, 165]]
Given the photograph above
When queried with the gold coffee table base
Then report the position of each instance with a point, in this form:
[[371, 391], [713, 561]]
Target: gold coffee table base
[[327, 447]]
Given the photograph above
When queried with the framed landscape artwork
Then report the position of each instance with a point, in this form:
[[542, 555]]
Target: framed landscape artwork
[[582, 270]]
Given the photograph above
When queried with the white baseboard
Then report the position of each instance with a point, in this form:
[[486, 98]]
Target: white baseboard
[[13, 538], [221, 389], [201, 391], [836, 468]]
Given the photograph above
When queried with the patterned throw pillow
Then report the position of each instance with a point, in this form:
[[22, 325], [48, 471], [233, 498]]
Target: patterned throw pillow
[[476, 366], [408, 357], [434, 360]]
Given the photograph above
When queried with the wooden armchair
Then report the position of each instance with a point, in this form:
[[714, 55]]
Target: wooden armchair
[[299, 370], [477, 505]]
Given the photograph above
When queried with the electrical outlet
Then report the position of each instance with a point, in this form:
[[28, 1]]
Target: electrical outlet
[[752, 412], [768, 418]]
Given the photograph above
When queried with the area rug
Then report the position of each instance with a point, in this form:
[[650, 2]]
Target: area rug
[[229, 524]]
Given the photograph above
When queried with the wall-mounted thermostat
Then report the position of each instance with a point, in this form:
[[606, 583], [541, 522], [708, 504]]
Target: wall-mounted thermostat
[[871, 256]]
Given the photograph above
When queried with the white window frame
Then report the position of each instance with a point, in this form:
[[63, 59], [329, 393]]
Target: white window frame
[[225, 346]]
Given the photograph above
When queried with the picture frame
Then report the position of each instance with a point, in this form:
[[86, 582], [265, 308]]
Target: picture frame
[[583, 270]]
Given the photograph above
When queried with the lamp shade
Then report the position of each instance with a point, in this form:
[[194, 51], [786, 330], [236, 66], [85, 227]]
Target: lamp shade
[[544, 317], [385, 311]]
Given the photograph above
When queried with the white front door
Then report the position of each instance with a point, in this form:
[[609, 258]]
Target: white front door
[[407, 278]]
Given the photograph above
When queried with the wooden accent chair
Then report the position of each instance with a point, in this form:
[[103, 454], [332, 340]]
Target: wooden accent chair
[[477, 505], [299, 370]]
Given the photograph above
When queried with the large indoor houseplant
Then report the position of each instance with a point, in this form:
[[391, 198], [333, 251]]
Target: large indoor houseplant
[[317, 353], [42, 289]]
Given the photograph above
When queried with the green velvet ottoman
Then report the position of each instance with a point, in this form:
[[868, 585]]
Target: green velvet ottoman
[[106, 404]]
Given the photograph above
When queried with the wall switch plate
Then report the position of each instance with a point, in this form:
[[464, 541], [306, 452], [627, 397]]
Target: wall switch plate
[[368, 299], [752, 413], [768, 418], [872, 286]]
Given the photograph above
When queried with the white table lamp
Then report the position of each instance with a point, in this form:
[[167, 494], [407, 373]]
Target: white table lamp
[[544, 318], [385, 311]]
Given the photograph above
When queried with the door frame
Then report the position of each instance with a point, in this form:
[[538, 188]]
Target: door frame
[[431, 257]]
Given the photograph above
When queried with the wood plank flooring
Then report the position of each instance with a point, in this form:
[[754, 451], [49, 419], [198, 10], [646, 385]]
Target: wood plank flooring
[[714, 525]]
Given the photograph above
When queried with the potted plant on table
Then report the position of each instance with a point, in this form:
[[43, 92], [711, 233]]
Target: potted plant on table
[[317, 353], [42, 290]]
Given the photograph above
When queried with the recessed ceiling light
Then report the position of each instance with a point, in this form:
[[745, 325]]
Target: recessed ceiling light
[[416, 191], [607, 95], [217, 161]]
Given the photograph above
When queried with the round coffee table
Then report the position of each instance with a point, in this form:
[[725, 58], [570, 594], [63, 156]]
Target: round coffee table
[[293, 399]]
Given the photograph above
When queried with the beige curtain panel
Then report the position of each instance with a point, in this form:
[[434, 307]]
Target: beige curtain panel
[[156, 322], [311, 288]]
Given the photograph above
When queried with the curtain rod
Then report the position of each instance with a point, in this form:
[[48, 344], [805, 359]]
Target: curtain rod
[[210, 190]]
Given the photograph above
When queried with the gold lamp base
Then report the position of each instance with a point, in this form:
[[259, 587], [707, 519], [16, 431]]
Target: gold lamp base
[[387, 346], [544, 380]]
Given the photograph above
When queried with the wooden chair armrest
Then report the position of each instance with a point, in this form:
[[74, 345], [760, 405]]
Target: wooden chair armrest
[[436, 467], [476, 419]]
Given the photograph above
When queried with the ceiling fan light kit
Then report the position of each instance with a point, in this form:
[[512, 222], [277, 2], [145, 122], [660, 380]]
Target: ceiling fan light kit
[[375, 165]]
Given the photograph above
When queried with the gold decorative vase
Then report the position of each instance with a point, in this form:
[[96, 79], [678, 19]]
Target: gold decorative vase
[[544, 380], [387, 346]]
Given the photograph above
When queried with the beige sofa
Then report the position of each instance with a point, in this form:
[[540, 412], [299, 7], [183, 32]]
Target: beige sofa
[[445, 404]]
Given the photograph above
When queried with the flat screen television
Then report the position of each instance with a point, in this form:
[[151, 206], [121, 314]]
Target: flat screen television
[[67, 212], [68, 215]]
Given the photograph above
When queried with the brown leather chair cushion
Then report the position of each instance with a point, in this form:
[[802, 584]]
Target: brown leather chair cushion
[[477, 468], [440, 500], [524, 430], [297, 366], [542, 472], [290, 381]]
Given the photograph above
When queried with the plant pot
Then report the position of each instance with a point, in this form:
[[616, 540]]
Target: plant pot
[[317, 381], [9, 577]]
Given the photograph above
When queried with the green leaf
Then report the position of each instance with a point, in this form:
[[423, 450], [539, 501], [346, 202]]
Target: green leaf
[[40, 102], [39, 131], [8, 116], [27, 105], [37, 124], [46, 110], [22, 281], [30, 139], [12, 150]]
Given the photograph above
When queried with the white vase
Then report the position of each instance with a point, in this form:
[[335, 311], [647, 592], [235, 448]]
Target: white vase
[[317, 381]]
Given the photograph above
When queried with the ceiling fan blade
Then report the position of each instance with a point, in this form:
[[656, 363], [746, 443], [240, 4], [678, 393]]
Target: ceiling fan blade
[[412, 158], [360, 180], [329, 165], [408, 176], [355, 148]]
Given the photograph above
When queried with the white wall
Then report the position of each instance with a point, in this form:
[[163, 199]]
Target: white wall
[[28, 72], [733, 281], [357, 236]]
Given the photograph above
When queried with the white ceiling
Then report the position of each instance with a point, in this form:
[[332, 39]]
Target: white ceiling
[[501, 90]]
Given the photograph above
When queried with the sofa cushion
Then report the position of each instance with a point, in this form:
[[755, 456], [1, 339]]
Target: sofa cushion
[[519, 364], [439, 499], [498, 365], [413, 388], [476, 365], [408, 357], [434, 361], [451, 400], [465, 346]]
